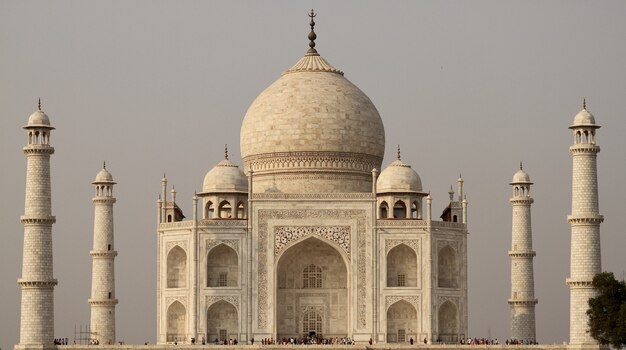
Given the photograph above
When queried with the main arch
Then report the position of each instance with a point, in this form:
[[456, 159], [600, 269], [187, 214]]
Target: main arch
[[312, 287]]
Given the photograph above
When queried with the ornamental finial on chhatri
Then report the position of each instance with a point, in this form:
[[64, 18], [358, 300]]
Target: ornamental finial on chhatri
[[312, 35], [584, 103], [104, 164], [39, 104], [399, 152], [225, 151], [521, 167]]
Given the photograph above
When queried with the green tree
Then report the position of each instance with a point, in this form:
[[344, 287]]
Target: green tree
[[607, 311]]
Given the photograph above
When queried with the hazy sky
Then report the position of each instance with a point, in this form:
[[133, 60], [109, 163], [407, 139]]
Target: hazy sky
[[152, 87]]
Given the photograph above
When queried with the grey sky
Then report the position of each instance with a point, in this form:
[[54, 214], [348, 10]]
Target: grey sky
[[153, 87]]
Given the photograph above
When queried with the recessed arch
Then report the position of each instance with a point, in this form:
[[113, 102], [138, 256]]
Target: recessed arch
[[222, 321], [177, 268], [447, 268], [401, 322], [329, 299], [222, 267], [176, 322], [402, 267], [448, 322]]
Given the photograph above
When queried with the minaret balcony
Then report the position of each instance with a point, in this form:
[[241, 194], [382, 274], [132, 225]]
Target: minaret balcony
[[25, 283], [38, 149], [584, 148], [38, 220], [103, 254], [578, 283], [522, 254], [591, 219], [103, 302], [523, 302]]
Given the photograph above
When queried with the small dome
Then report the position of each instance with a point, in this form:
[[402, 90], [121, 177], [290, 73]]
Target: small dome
[[225, 177], [398, 177], [38, 119], [521, 177], [104, 176], [584, 118]]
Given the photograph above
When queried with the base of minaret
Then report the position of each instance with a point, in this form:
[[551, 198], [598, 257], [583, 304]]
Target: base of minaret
[[102, 324], [523, 319]]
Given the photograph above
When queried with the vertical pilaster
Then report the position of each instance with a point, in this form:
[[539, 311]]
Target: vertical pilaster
[[522, 299], [585, 220], [103, 300], [37, 281]]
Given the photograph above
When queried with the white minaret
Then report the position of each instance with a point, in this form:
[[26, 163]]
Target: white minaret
[[523, 299], [103, 255], [37, 282], [585, 223]]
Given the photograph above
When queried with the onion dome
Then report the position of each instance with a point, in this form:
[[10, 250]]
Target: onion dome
[[398, 177], [225, 177], [315, 123], [584, 118], [38, 119], [521, 177]]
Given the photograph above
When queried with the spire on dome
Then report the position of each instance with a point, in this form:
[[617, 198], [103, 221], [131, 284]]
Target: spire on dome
[[521, 167], [399, 152], [226, 151], [39, 104], [584, 103], [104, 164], [312, 35]]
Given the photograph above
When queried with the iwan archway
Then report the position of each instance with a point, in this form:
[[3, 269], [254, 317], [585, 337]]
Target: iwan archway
[[312, 294]]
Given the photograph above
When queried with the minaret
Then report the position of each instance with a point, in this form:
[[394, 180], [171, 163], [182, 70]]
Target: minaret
[[523, 299], [37, 282], [585, 223], [103, 255]]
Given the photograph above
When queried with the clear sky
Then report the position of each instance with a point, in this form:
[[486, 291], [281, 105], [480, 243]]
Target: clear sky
[[465, 86]]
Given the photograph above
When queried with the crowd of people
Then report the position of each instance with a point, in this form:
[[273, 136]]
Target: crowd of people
[[60, 341]]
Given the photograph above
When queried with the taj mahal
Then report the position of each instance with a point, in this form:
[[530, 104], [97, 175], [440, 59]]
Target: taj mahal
[[313, 235]]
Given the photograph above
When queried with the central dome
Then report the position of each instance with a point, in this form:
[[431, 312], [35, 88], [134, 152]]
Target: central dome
[[313, 131]]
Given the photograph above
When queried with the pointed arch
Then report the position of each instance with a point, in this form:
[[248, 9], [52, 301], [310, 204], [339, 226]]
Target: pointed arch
[[209, 210], [402, 267], [415, 212], [399, 210], [177, 268], [401, 322], [317, 258], [225, 210], [176, 322], [241, 210], [384, 210], [222, 321], [447, 268], [448, 322], [222, 267]]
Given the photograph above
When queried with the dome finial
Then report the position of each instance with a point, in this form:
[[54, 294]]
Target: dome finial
[[104, 164], [225, 151], [584, 103], [39, 104], [312, 35], [521, 167], [398, 151]]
